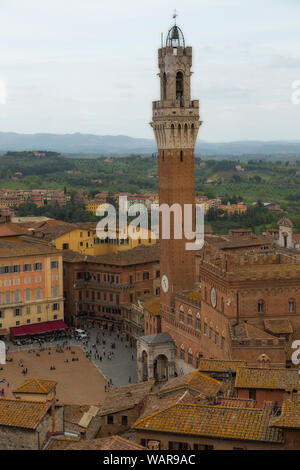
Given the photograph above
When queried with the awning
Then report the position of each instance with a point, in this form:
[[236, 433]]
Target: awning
[[38, 328], [4, 332]]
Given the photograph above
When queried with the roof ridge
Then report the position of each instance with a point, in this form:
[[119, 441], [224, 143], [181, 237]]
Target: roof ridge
[[133, 384], [41, 385], [156, 413], [24, 401], [190, 377]]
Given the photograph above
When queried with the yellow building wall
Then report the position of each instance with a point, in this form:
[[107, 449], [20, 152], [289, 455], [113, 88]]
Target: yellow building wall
[[45, 303], [83, 241], [93, 206], [79, 240]]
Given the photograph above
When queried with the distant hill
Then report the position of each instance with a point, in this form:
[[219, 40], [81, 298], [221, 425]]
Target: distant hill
[[94, 145]]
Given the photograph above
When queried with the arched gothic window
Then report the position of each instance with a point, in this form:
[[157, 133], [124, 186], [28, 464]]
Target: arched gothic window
[[292, 306], [164, 87], [261, 307], [179, 86]]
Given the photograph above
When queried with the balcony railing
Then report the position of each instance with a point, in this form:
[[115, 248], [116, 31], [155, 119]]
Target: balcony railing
[[94, 283]]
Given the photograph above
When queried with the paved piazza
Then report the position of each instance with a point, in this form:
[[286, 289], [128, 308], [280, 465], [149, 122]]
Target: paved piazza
[[82, 381]]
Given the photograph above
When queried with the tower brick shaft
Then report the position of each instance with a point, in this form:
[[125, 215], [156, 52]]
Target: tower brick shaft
[[175, 124]]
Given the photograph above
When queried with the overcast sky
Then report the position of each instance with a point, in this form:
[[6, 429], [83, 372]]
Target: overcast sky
[[90, 66]]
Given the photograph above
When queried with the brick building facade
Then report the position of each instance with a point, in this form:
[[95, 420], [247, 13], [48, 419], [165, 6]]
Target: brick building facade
[[101, 288]]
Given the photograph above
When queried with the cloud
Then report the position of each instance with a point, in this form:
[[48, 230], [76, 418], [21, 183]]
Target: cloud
[[280, 61], [2, 92]]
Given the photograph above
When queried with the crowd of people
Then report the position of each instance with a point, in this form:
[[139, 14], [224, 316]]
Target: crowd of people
[[104, 346]]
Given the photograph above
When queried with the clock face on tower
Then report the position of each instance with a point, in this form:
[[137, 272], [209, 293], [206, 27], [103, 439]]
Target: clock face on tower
[[165, 283], [213, 297]]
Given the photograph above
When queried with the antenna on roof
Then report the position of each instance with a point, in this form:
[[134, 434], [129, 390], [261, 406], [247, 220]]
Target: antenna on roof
[[175, 16]]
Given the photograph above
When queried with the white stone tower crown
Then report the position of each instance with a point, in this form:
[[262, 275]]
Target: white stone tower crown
[[175, 116]]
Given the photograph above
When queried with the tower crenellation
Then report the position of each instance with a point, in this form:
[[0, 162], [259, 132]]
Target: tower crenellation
[[175, 116]]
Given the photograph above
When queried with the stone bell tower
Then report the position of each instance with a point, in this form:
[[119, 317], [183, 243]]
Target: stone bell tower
[[175, 124]]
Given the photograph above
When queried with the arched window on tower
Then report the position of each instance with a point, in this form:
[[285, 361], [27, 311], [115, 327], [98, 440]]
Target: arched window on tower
[[292, 306], [164, 97], [190, 356], [182, 352], [181, 155], [192, 131], [261, 306], [185, 133], [179, 86]]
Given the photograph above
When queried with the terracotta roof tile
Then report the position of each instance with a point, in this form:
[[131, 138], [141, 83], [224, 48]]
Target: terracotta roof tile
[[194, 381], [234, 402], [22, 413], [125, 397], [137, 255], [157, 402], [246, 331], [60, 442], [212, 421], [40, 386], [78, 417], [152, 304], [278, 326], [277, 379], [290, 416], [215, 365], [18, 247], [105, 443]]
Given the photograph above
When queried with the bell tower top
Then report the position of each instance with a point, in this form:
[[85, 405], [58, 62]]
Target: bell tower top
[[175, 116], [175, 37]]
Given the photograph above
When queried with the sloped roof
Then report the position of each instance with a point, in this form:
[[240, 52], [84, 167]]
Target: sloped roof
[[156, 401], [105, 443], [40, 386], [246, 331], [215, 365], [212, 421], [227, 242], [11, 230], [78, 416], [152, 304], [60, 442], [234, 402], [276, 379], [279, 326], [88, 416], [158, 338], [13, 248], [290, 416], [285, 222], [139, 255], [194, 381], [125, 397], [22, 413]]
